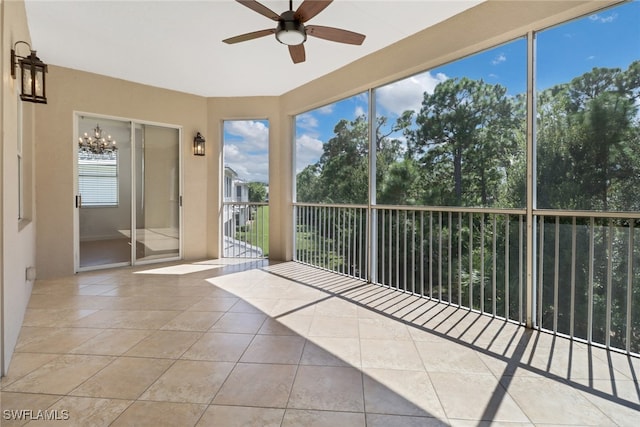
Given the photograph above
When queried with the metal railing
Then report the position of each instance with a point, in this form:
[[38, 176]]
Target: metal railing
[[585, 285], [245, 230], [333, 237], [470, 258], [588, 283], [467, 257]]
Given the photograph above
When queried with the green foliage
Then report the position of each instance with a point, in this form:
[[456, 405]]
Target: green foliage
[[589, 142], [257, 192], [466, 139], [342, 173], [256, 231], [467, 147]]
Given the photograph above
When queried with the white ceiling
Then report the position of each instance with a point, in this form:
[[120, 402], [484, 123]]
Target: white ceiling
[[177, 44]]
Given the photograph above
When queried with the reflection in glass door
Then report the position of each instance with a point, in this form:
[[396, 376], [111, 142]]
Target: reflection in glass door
[[157, 188], [127, 194], [104, 192]]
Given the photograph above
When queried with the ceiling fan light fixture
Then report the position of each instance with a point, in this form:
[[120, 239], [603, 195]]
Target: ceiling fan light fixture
[[290, 31]]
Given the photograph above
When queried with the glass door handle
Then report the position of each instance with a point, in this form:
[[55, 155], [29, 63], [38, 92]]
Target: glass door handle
[[78, 201]]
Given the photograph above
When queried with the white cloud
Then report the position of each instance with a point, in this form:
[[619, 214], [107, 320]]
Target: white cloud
[[250, 166], [253, 134], [362, 97], [308, 151], [246, 149], [499, 59], [327, 109], [407, 94], [307, 121], [359, 111], [232, 153], [603, 19]]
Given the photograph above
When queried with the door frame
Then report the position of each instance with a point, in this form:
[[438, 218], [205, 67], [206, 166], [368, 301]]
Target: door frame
[[76, 211]]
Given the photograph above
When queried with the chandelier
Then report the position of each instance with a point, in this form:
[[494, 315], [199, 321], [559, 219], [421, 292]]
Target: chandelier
[[97, 144]]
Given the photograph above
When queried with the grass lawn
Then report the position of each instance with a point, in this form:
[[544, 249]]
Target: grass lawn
[[257, 230]]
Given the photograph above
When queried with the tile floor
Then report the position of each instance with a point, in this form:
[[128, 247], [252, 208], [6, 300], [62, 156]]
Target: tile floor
[[254, 344]]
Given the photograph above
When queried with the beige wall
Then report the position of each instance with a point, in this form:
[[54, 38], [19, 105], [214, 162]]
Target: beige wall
[[71, 90], [18, 236], [488, 24], [246, 108]]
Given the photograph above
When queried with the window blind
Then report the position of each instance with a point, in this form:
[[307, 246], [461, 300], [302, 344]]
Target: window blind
[[98, 181]]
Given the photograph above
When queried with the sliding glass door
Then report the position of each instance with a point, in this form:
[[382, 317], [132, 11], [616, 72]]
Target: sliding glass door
[[127, 194], [157, 192]]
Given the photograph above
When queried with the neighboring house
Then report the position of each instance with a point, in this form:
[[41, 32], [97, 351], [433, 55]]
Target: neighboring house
[[236, 189]]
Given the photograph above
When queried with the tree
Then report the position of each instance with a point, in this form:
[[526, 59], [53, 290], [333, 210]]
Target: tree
[[342, 176], [588, 142], [342, 173], [307, 183], [257, 192], [467, 135], [468, 149]]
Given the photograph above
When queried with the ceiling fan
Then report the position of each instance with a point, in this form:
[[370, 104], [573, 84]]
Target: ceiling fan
[[291, 29]]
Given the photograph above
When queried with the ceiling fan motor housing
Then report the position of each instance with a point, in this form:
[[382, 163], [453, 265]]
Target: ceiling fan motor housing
[[290, 31]]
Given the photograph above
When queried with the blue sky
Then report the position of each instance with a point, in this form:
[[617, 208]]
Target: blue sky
[[609, 38], [246, 148]]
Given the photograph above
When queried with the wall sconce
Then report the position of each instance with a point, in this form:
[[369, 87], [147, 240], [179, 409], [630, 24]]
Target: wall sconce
[[198, 145], [32, 72]]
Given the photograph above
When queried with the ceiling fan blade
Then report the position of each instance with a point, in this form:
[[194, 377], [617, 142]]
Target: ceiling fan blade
[[297, 53], [335, 34], [310, 8], [260, 8], [249, 36]]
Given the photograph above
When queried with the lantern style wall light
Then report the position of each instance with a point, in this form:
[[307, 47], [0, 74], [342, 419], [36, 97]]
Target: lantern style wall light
[[198, 145], [32, 75]]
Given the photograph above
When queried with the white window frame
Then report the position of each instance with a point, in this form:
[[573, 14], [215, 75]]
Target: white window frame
[[20, 159]]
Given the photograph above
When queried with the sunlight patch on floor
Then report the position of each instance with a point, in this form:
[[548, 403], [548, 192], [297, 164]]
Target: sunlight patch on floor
[[179, 269]]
